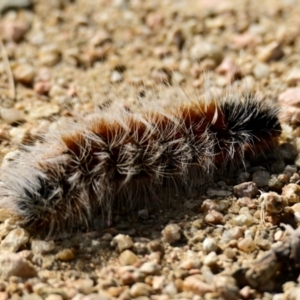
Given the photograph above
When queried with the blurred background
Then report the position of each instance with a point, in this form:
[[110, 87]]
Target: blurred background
[[64, 56]]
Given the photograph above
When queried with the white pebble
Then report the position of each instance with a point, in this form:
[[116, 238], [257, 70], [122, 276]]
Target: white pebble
[[210, 245], [210, 259]]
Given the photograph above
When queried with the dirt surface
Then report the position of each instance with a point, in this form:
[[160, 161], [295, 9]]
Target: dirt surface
[[228, 242]]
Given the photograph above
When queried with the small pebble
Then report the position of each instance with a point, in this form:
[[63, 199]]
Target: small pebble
[[129, 275], [210, 259], [292, 294], [261, 178], [275, 184], [150, 268], [278, 166], [143, 214], [155, 246], [127, 257], [246, 189], [24, 73], [283, 178], [66, 255], [214, 217], [230, 253], [84, 286], [158, 282], [122, 242], [170, 289], [140, 289], [172, 233], [196, 285], [190, 263], [54, 297], [230, 69], [49, 55], [290, 170], [42, 247], [218, 205], [291, 193], [42, 87], [289, 102], [210, 245], [246, 201], [12, 115], [116, 77], [243, 219], [293, 77], [271, 52], [246, 245], [243, 177], [15, 31], [14, 240], [288, 152], [261, 70], [202, 50], [140, 248], [232, 234], [11, 264], [295, 178]]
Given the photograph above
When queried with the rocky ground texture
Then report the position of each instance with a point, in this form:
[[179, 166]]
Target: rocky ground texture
[[230, 242]]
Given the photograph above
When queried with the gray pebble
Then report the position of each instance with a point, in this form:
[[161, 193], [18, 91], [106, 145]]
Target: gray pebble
[[243, 177], [261, 178], [290, 169], [278, 166], [288, 152]]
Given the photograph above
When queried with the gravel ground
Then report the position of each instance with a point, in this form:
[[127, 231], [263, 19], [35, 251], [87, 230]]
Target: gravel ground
[[226, 243]]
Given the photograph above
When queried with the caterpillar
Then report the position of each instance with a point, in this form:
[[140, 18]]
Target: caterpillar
[[112, 158]]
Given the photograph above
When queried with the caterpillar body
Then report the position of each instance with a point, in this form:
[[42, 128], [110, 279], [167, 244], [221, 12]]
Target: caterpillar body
[[117, 158]]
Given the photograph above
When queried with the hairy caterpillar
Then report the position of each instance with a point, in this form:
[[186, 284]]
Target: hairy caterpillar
[[110, 158]]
